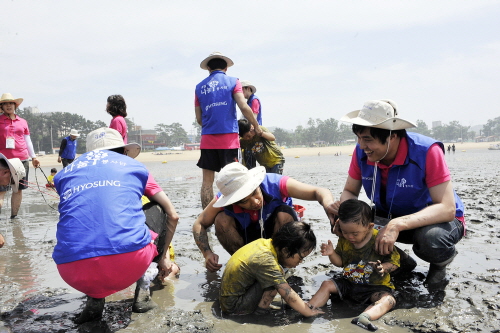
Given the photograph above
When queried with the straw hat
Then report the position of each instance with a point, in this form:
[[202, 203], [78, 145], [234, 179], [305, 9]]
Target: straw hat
[[17, 170], [74, 132], [7, 97], [246, 83], [108, 138], [214, 55], [379, 114], [236, 182]]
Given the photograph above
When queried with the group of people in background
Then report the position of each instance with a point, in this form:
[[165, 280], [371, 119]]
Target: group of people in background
[[403, 174]]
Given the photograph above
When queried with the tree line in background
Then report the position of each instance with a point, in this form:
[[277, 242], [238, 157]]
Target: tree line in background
[[48, 129]]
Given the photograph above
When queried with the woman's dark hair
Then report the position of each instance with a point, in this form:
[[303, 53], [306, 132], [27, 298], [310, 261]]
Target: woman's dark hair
[[117, 106], [243, 127], [355, 211], [217, 63], [295, 237], [378, 133], [53, 170], [3, 164]]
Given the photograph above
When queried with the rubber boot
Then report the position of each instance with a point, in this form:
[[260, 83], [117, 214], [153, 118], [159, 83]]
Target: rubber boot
[[406, 263], [142, 298], [92, 311], [436, 277]]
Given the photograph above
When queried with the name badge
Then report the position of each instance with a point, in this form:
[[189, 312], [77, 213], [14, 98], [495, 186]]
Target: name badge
[[10, 143]]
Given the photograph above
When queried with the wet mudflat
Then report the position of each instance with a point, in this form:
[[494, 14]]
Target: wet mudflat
[[33, 298]]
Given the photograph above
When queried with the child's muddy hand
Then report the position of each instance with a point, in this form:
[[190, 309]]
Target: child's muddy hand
[[327, 249]]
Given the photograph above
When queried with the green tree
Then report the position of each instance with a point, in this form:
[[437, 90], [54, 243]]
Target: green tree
[[283, 137], [171, 135], [421, 128]]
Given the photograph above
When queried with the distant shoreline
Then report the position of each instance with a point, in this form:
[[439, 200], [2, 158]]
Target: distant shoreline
[[193, 155]]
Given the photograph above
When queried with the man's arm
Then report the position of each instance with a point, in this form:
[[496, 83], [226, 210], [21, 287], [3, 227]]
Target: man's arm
[[303, 191], [247, 111], [200, 226], [442, 210], [295, 302], [172, 219]]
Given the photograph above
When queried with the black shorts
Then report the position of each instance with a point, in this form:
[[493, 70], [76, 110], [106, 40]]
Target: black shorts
[[216, 159], [252, 232], [361, 293], [23, 182]]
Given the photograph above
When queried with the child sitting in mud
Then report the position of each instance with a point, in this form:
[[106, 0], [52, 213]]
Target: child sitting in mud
[[255, 273], [50, 179], [366, 273], [262, 149]]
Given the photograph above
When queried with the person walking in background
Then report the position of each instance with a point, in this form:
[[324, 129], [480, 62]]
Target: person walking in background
[[68, 148], [15, 142], [215, 109], [262, 149], [253, 101], [117, 108]]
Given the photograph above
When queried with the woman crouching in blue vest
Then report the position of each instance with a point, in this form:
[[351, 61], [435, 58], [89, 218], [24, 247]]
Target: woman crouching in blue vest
[[105, 242], [251, 204]]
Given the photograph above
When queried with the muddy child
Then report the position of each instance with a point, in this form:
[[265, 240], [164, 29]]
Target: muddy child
[[254, 274], [366, 274]]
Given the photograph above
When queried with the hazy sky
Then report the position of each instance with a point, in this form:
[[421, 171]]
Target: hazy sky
[[439, 60]]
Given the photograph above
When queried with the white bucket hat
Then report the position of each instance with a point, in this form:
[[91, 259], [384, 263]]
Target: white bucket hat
[[7, 97], [236, 182], [74, 132], [214, 55], [380, 114], [17, 170], [246, 83], [108, 138]]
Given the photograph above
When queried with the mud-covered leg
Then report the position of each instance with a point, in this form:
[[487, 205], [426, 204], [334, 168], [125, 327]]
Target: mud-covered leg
[[142, 298], [92, 311]]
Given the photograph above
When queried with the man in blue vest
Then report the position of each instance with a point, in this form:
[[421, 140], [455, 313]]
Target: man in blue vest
[[406, 178], [253, 101], [67, 150], [215, 108], [252, 204]]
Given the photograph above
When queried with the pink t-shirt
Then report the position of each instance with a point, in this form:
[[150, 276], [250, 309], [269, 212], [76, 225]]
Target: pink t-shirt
[[220, 141], [118, 123], [152, 187], [14, 128], [255, 106]]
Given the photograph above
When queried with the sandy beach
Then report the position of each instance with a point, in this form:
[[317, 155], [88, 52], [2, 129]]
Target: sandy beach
[[193, 155]]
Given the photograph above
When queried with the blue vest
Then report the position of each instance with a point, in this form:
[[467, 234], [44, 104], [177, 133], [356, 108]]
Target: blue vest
[[406, 190], [69, 152], [218, 107], [100, 208], [270, 187], [259, 115]]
